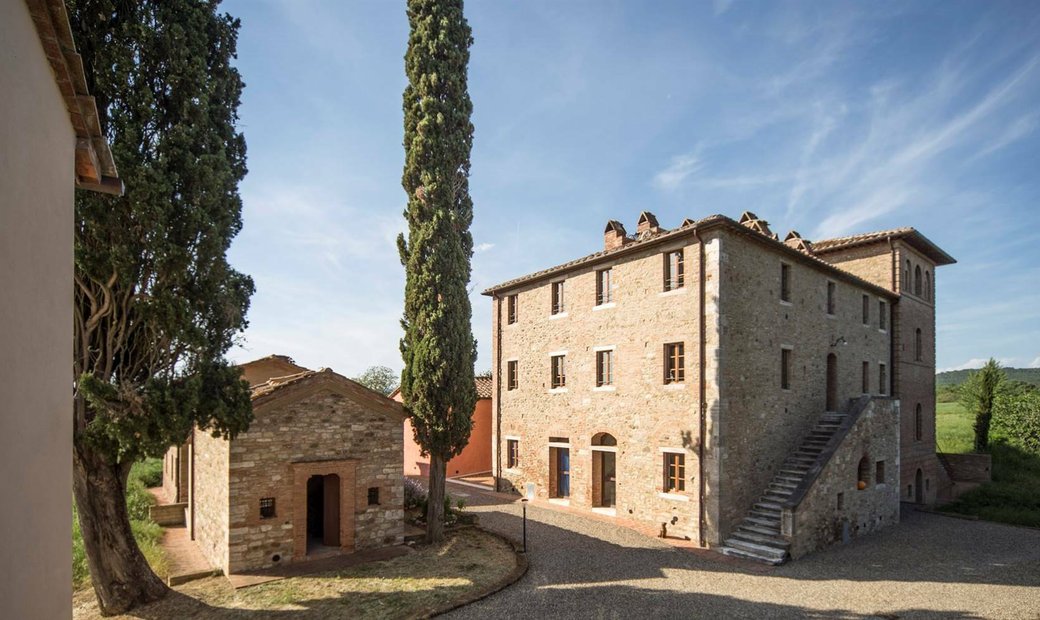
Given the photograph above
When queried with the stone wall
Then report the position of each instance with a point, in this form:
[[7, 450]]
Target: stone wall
[[209, 516], [312, 424], [834, 509], [969, 467], [761, 423], [644, 415], [175, 474]]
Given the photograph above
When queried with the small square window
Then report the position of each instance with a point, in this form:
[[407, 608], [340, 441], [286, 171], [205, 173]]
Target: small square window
[[512, 379], [267, 508], [373, 496], [512, 453]]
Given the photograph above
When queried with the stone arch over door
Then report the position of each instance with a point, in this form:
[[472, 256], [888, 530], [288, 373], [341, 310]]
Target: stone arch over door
[[337, 481]]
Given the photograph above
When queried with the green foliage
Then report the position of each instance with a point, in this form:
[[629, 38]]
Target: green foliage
[[947, 393], [956, 377], [157, 304], [1017, 417], [379, 378], [438, 346], [1014, 495], [148, 471], [977, 395]]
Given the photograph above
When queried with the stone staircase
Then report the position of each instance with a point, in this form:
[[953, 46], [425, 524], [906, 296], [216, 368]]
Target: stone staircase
[[758, 536]]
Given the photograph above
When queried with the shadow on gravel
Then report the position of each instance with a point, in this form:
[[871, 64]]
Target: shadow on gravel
[[922, 548]]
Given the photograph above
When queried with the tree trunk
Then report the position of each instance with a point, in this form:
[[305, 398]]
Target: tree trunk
[[982, 423], [119, 571], [435, 500]]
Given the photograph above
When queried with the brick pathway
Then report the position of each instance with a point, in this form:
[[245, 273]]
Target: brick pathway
[[183, 556]]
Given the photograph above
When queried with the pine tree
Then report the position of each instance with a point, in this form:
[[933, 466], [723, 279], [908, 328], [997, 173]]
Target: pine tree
[[156, 303], [438, 346]]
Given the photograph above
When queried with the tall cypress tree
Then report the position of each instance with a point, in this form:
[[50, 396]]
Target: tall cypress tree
[[438, 345], [156, 303]]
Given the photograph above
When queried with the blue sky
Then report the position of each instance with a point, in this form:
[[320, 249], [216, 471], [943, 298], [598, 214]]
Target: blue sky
[[829, 118]]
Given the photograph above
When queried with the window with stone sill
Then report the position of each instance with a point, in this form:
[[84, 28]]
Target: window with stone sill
[[674, 363], [674, 472], [267, 508]]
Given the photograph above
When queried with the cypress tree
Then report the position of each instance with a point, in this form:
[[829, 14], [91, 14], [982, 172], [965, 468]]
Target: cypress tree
[[438, 346], [156, 303]]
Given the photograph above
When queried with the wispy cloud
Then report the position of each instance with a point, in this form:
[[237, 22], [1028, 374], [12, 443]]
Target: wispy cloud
[[483, 247], [1035, 363], [678, 170], [978, 362]]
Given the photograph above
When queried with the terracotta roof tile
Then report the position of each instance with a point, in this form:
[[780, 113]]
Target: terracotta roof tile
[[484, 386]]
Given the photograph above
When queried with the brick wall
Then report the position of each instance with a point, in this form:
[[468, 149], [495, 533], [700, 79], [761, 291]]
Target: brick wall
[[761, 423], [642, 413], [314, 424], [819, 520]]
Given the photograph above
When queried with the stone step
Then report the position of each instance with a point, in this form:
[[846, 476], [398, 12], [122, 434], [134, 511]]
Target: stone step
[[780, 482], [770, 515], [794, 472], [791, 480], [766, 505], [766, 540], [763, 530], [750, 551], [762, 521]]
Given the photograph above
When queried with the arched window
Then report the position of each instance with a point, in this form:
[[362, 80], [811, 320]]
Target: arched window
[[917, 280], [863, 473], [917, 345], [928, 285], [603, 439], [918, 423]]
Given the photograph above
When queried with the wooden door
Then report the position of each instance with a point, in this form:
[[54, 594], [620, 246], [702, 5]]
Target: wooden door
[[330, 529]]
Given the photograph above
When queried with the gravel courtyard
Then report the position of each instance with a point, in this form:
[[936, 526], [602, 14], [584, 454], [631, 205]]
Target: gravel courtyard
[[928, 566]]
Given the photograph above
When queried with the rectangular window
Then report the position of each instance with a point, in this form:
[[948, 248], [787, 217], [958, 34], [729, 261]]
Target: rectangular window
[[879, 472], [511, 374], [512, 453], [831, 291], [267, 508], [866, 309], [673, 270], [841, 501], [882, 315], [603, 295], [674, 363], [511, 309], [557, 297], [866, 377], [373, 496], [604, 368], [785, 282], [882, 380], [785, 369], [674, 472], [559, 377]]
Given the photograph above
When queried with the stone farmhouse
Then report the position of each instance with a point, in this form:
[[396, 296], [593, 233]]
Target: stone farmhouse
[[761, 396], [318, 472], [475, 458]]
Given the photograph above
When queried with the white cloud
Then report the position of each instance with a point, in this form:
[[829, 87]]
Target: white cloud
[[483, 247], [721, 6], [978, 362], [680, 168], [1035, 363]]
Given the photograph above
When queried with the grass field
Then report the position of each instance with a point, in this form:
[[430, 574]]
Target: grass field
[[1014, 495]]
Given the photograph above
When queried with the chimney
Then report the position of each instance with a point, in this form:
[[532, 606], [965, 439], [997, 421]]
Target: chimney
[[614, 236], [647, 224], [796, 241]]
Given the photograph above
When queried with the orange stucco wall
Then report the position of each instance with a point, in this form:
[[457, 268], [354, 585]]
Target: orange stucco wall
[[475, 457]]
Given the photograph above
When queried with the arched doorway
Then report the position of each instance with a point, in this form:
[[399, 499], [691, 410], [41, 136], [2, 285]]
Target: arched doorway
[[832, 382], [604, 470], [322, 512], [919, 487]]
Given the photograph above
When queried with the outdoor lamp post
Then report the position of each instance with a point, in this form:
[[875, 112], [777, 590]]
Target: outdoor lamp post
[[523, 502]]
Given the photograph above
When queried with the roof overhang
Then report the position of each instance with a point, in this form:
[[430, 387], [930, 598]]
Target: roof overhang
[[910, 236]]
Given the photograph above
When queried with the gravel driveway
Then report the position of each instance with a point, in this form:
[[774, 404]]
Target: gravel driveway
[[928, 566]]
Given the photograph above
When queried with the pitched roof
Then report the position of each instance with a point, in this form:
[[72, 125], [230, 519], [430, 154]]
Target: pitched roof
[[273, 388], [95, 168], [691, 227], [908, 234]]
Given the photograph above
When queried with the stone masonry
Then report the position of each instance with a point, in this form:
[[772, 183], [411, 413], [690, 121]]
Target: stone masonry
[[731, 418]]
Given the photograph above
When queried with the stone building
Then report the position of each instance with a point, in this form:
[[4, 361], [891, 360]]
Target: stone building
[[52, 144], [318, 472], [745, 392], [475, 458]]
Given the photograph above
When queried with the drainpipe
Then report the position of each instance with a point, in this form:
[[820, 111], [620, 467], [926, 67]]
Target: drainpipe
[[497, 312], [701, 404]]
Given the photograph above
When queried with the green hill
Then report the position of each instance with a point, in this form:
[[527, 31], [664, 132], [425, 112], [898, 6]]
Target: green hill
[[956, 377]]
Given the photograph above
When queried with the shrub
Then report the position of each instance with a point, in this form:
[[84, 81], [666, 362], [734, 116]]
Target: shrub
[[148, 471], [1017, 417], [414, 494]]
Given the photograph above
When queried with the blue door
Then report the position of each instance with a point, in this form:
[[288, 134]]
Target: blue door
[[563, 469]]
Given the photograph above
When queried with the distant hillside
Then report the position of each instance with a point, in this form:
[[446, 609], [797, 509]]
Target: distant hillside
[[955, 377]]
